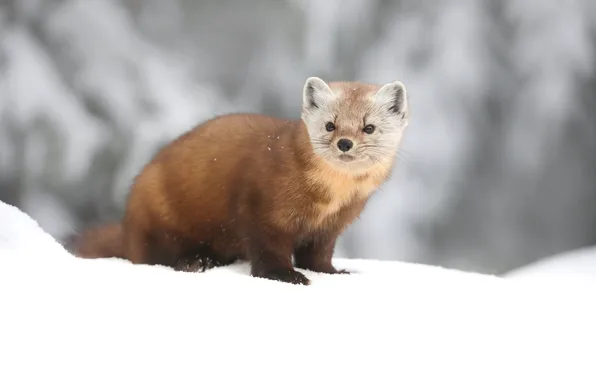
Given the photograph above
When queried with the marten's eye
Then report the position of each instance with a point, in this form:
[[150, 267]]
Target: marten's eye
[[330, 127], [369, 129]]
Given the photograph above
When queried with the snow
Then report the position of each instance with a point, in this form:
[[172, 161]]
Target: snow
[[69, 318], [574, 266], [22, 236]]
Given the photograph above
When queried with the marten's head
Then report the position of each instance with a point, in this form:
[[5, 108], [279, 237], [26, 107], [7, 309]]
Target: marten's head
[[355, 126]]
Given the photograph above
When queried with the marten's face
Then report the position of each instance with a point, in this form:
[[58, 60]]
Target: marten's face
[[355, 126]]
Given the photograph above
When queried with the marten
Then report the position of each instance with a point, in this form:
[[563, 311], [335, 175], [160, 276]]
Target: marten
[[274, 192]]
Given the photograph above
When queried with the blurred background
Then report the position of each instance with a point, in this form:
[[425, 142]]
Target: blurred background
[[499, 162]]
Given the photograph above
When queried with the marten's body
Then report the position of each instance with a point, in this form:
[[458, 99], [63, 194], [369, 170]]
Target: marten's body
[[252, 187]]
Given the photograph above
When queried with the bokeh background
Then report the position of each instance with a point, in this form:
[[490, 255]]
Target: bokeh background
[[498, 166]]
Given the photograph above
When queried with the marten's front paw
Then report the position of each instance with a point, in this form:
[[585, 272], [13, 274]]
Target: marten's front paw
[[195, 264], [285, 275], [343, 271]]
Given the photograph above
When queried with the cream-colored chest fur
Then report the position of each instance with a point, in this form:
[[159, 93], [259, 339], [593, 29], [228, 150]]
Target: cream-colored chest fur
[[343, 189]]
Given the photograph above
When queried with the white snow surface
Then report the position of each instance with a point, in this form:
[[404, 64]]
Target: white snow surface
[[576, 266], [69, 318]]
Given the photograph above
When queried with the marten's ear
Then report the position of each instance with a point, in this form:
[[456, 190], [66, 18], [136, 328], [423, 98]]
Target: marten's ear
[[393, 96], [316, 94]]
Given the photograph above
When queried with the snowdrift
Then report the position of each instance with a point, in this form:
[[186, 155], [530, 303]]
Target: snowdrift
[[576, 266], [68, 318]]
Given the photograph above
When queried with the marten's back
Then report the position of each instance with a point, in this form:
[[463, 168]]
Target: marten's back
[[191, 184]]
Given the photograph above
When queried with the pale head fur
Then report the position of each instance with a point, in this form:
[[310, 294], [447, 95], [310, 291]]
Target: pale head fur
[[351, 107]]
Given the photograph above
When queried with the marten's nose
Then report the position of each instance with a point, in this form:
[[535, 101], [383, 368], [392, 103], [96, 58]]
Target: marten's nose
[[344, 145]]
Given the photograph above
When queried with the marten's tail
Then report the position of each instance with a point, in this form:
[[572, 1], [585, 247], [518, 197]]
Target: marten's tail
[[97, 242]]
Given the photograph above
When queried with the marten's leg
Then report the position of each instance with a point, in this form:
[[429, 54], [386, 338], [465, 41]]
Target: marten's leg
[[142, 247], [316, 255], [270, 256]]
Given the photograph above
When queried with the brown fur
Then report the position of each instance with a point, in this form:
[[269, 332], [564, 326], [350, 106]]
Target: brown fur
[[240, 186], [98, 242]]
